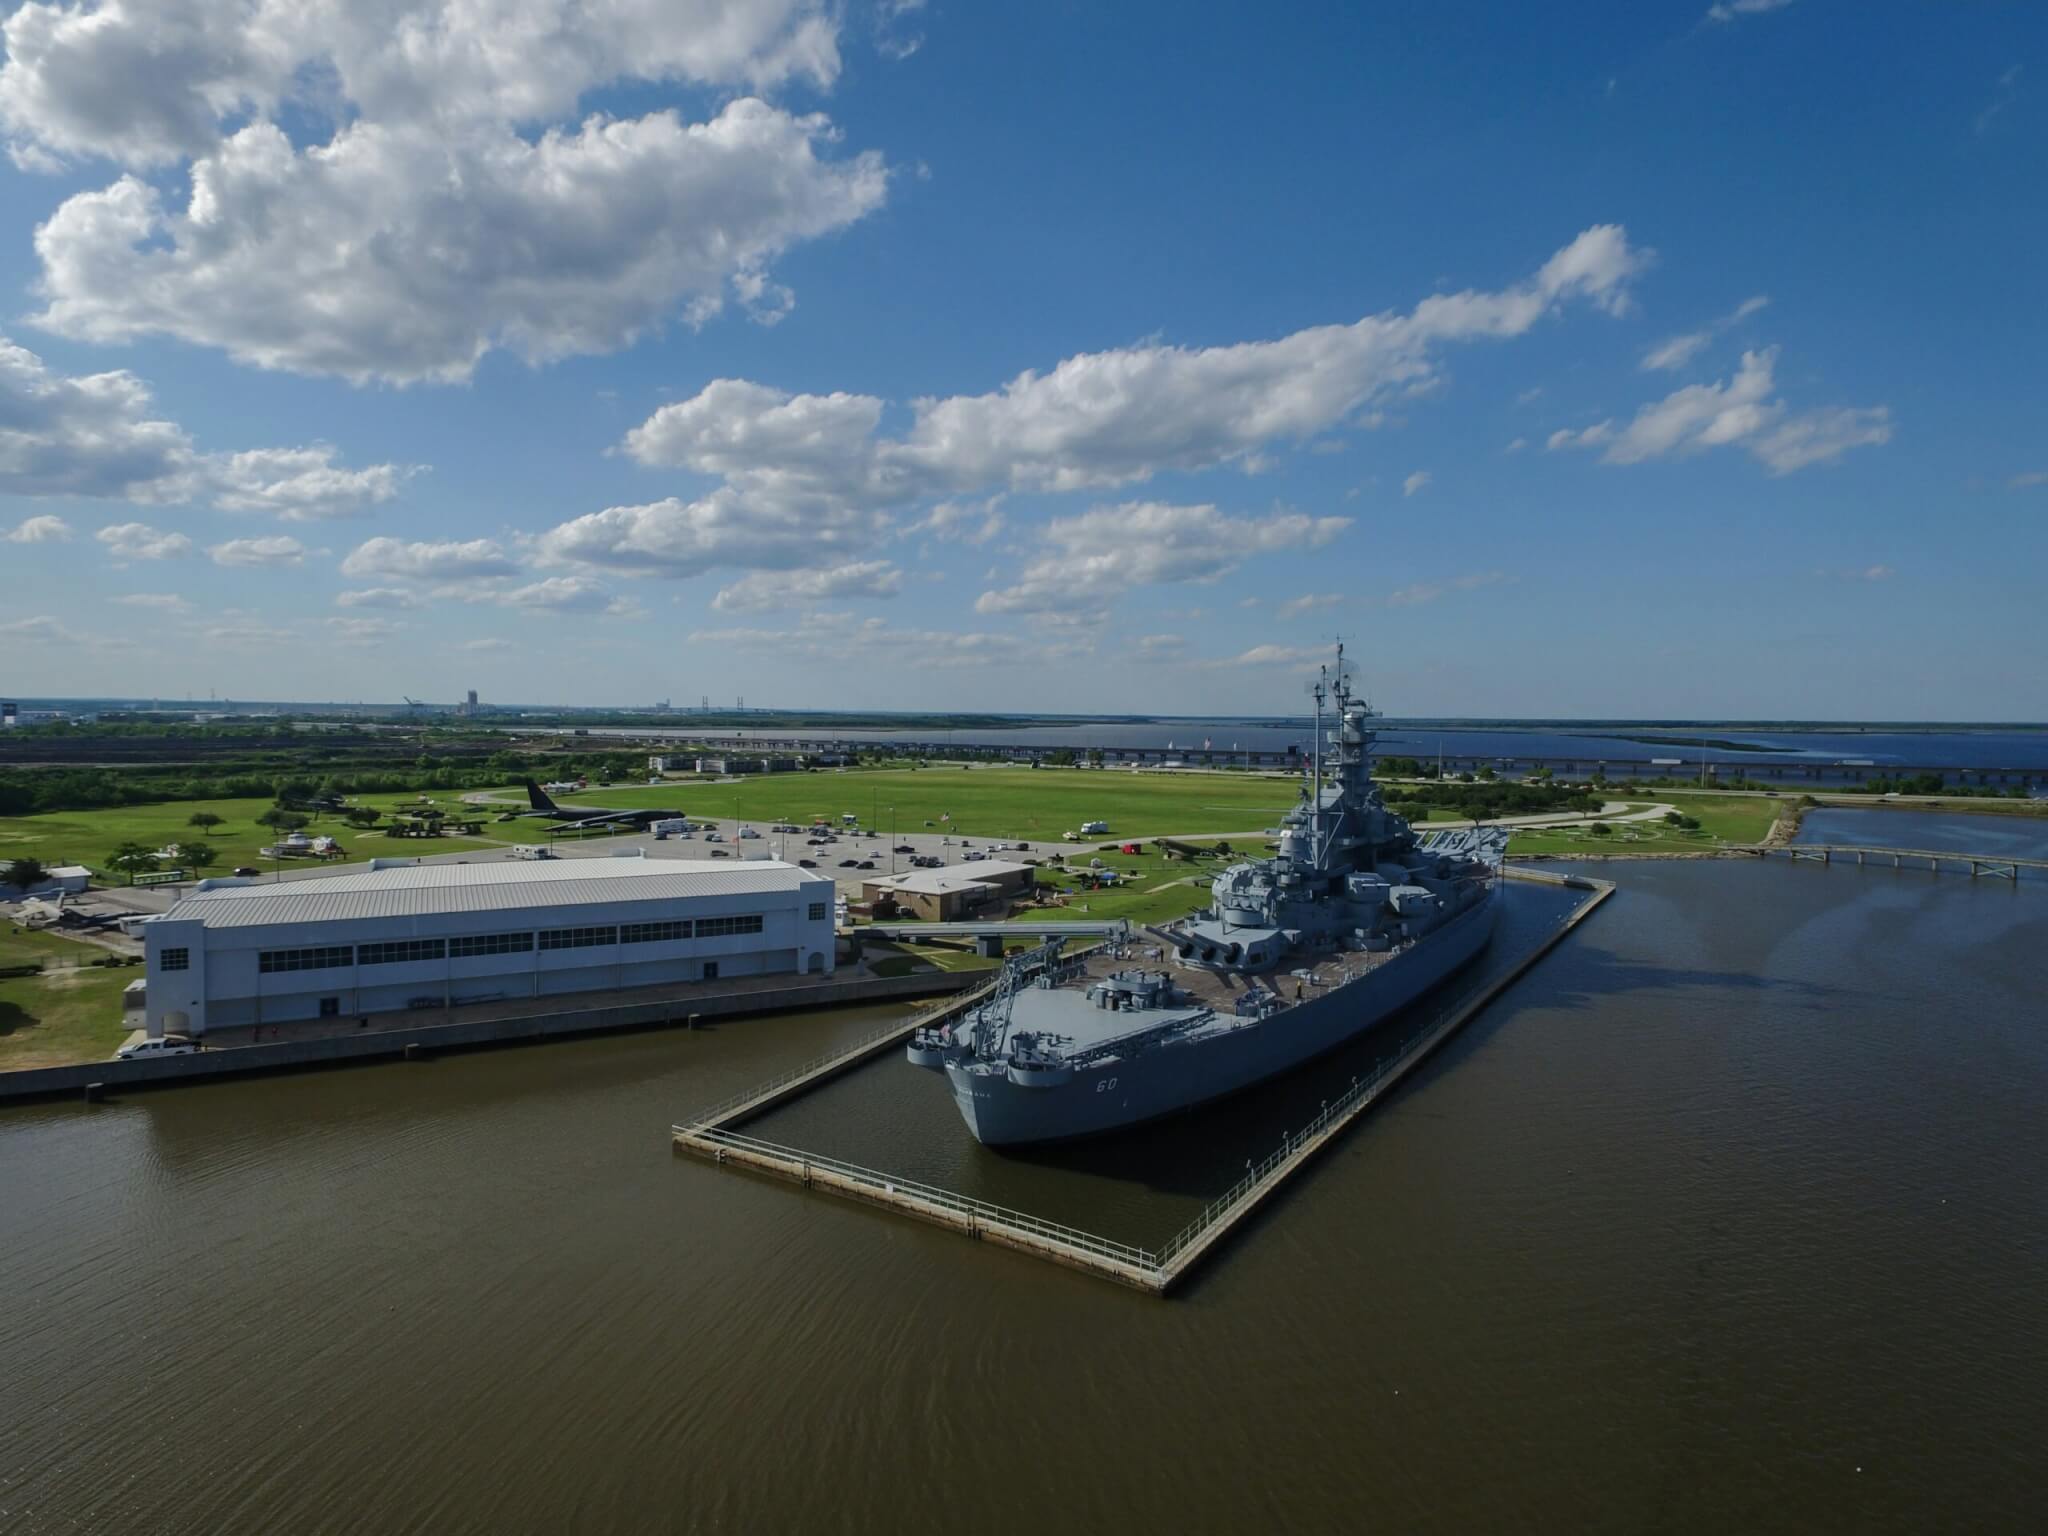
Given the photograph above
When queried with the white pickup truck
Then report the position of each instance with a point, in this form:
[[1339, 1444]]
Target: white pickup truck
[[163, 1045]]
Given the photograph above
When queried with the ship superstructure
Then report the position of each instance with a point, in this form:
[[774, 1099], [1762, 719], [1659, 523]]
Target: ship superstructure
[[1353, 917]]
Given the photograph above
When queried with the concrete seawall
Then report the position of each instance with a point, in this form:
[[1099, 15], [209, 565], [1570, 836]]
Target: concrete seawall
[[471, 1034]]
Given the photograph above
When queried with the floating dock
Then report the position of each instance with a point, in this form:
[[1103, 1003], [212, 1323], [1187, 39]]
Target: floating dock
[[714, 1134]]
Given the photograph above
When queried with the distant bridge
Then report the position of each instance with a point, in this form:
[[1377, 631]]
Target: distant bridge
[[2002, 866]]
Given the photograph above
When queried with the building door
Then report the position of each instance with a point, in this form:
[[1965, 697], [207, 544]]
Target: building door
[[711, 970], [330, 1007]]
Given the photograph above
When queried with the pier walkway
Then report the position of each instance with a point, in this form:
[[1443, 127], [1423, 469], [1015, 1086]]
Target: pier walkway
[[714, 1134], [1999, 865]]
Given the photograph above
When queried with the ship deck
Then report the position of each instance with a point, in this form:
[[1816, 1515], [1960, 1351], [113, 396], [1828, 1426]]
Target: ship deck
[[1064, 1010]]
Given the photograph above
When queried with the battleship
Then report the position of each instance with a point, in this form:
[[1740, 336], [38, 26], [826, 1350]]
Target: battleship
[[1352, 919]]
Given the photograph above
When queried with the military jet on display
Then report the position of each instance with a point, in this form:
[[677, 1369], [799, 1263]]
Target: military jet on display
[[587, 816]]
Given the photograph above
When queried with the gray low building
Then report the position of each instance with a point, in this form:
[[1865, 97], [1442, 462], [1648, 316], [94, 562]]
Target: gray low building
[[239, 953]]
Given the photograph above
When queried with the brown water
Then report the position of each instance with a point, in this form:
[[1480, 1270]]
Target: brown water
[[1732, 1215]]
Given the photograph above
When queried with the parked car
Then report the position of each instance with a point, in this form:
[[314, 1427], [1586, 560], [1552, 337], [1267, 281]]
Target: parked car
[[905, 848], [849, 863], [247, 872], [149, 1050], [865, 864], [806, 863], [721, 853]]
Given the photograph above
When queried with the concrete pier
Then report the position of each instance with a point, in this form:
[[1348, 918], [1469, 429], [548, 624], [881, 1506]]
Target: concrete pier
[[2000, 865], [713, 1134]]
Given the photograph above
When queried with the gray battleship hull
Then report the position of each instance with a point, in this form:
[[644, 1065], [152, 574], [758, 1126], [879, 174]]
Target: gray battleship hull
[[1112, 1094]]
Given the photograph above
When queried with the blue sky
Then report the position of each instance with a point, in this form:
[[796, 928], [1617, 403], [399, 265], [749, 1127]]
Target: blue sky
[[1655, 361]]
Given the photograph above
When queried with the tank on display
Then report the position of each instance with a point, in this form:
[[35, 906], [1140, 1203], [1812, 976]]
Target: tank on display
[[1353, 918]]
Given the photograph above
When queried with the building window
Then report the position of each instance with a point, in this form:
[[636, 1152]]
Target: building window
[[719, 927], [577, 938], [174, 960], [653, 933], [469, 944], [711, 970], [817, 911], [328, 958], [401, 951]]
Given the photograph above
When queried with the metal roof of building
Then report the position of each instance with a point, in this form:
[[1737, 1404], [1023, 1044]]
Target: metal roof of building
[[956, 877], [431, 889]]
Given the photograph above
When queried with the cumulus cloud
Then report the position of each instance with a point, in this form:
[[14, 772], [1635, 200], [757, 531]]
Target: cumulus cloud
[[379, 597], [1737, 411], [162, 602], [1100, 555], [1274, 656], [40, 530], [301, 484], [810, 481], [100, 435], [364, 631], [139, 541], [2019, 482], [1415, 482], [255, 553], [765, 590], [558, 594], [427, 560], [447, 203], [37, 629]]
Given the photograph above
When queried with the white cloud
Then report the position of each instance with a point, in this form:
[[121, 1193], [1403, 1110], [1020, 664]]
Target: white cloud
[[809, 481], [2002, 97], [40, 530], [1738, 411], [379, 597], [162, 602], [1308, 602], [99, 435], [256, 553], [443, 200], [2029, 479], [558, 594], [1429, 591], [240, 631], [765, 589], [1728, 10], [486, 643], [1517, 445], [38, 629], [1676, 352], [1415, 482], [302, 484], [971, 522], [1102, 554], [425, 560], [139, 541]]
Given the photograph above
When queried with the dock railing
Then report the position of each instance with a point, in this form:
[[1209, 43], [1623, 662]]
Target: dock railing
[[893, 1188]]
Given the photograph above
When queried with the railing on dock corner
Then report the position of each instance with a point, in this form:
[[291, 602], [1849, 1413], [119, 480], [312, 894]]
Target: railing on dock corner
[[895, 1188]]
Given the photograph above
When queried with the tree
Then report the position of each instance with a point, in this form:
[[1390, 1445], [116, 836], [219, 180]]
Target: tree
[[205, 821], [195, 855], [132, 859], [362, 815], [23, 873], [280, 818]]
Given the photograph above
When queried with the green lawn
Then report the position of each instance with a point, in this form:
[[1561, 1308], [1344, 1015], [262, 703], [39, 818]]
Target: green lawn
[[1032, 804], [87, 837], [1724, 820], [66, 1014], [1159, 888]]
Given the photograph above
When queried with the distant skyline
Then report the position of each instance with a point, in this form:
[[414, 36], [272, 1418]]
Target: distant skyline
[[1682, 363]]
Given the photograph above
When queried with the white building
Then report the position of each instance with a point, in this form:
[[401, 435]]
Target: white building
[[240, 953]]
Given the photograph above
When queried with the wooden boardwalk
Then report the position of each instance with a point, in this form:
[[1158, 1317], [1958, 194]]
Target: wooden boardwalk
[[1999, 865], [714, 1134]]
